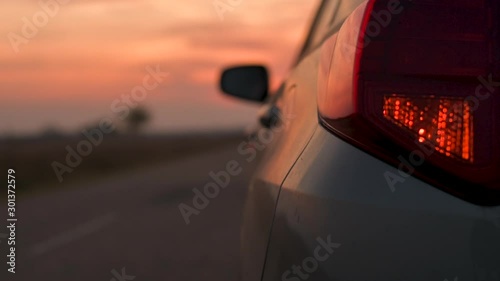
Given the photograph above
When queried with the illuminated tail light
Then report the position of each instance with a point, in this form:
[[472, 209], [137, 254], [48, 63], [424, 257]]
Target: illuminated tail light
[[420, 73], [446, 123]]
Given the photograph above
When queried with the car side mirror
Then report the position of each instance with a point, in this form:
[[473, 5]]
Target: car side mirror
[[246, 82]]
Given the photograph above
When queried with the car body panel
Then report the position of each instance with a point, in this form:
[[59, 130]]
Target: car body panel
[[415, 233], [296, 100], [281, 145]]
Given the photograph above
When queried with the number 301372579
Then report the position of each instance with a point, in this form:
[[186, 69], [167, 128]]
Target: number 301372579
[[11, 180]]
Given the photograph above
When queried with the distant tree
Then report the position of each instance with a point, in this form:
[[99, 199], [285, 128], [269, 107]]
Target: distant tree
[[136, 119]]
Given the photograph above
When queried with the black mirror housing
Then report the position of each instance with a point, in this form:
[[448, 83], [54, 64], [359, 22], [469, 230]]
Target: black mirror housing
[[246, 82]]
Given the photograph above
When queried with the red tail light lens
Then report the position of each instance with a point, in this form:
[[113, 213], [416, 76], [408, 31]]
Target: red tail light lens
[[422, 73], [445, 123]]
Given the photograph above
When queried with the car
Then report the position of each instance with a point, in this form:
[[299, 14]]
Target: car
[[379, 156]]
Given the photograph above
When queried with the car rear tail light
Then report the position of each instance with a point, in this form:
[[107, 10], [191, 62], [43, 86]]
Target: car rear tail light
[[445, 123], [420, 74]]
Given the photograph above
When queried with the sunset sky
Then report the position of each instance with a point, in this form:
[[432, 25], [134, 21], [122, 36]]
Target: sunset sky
[[89, 53]]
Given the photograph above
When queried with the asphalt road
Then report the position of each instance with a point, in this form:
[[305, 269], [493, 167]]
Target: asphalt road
[[130, 228]]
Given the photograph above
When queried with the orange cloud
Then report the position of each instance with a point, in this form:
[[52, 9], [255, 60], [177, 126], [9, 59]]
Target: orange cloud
[[92, 51]]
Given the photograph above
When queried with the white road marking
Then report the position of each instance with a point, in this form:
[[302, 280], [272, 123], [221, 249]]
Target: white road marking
[[72, 235]]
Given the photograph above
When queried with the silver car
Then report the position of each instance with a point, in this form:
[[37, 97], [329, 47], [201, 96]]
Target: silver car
[[380, 152]]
